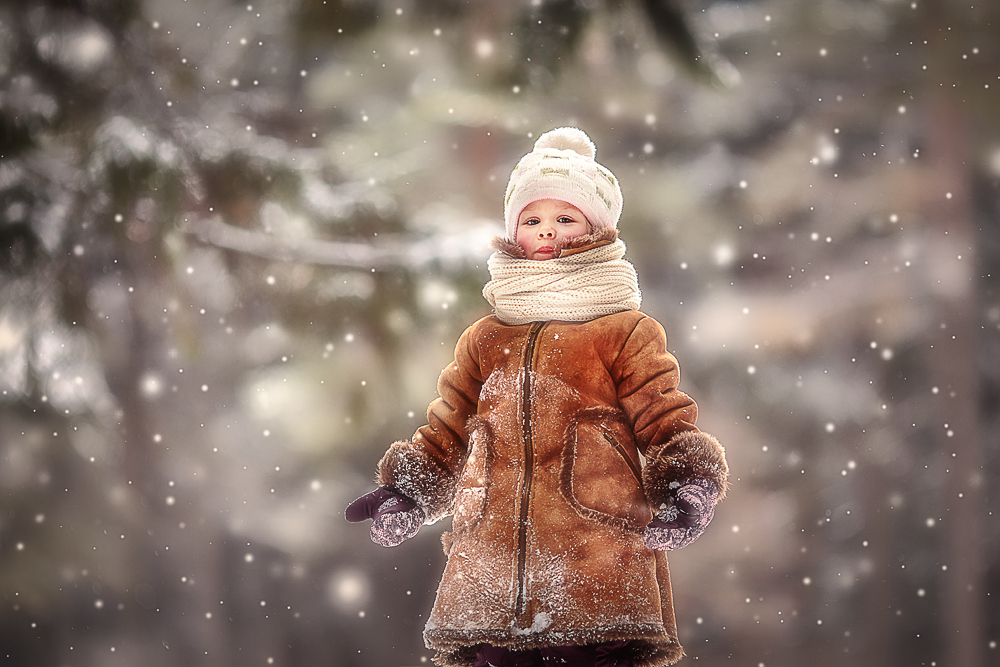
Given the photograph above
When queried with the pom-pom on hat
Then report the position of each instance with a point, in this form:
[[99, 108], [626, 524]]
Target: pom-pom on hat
[[562, 166]]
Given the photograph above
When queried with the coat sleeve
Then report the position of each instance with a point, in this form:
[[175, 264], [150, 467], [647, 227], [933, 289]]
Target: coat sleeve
[[663, 417], [426, 468]]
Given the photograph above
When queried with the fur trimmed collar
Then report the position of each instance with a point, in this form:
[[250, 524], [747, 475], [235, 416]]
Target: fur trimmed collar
[[602, 237]]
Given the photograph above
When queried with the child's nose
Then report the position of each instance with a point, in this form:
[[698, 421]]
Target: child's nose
[[546, 231]]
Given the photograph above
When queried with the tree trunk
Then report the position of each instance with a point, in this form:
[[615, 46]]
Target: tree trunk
[[952, 366]]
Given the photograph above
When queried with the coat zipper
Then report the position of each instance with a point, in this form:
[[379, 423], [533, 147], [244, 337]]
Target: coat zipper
[[521, 605]]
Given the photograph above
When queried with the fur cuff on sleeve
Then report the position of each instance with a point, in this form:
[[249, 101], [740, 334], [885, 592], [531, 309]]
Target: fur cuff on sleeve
[[688, 454], [418, 477]]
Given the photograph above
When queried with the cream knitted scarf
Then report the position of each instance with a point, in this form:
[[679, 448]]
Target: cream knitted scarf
[[583, 286]]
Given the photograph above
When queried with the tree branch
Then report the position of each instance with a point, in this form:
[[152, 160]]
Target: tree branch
[[467, 247]]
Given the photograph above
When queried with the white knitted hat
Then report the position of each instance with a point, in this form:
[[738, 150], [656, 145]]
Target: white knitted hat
[[562, 166]]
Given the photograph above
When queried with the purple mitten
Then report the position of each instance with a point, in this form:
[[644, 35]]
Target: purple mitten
[[685, 515], [396, 518]]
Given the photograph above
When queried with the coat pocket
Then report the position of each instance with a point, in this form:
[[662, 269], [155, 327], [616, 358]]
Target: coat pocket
[[471, 492], [601, 473]]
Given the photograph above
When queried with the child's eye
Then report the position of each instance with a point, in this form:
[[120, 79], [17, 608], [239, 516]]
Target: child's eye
[[566, 219], [530, 221]]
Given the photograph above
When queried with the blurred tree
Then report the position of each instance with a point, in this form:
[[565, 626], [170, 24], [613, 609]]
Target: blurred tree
[[120, 179]]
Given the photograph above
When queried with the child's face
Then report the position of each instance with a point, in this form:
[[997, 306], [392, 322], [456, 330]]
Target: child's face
[[544, 224]]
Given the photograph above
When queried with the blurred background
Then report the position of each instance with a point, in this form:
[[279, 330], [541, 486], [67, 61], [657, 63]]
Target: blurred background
[[238, 241]]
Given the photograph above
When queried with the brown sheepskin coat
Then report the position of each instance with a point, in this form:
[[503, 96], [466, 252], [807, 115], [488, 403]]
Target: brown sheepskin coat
[[552, 443]]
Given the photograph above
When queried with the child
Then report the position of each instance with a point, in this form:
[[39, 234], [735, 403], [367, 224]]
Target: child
[[560, 443]]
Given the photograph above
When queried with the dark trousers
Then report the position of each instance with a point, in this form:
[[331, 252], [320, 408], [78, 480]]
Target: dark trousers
[[609, 654]]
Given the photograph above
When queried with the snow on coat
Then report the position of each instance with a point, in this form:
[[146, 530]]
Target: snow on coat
[[534, 446]]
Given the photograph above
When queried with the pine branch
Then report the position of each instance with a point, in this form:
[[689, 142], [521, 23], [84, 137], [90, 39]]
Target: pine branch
[[466, 248]]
